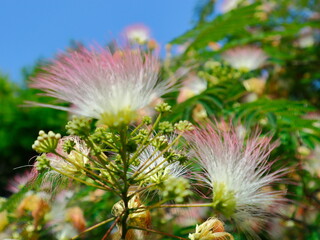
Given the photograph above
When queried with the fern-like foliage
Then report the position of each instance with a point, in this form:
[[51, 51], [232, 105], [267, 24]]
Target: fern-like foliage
[[287, 119], [224, 25], [214, 100]]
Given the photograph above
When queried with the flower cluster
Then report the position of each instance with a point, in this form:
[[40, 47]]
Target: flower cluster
[[109, 151]]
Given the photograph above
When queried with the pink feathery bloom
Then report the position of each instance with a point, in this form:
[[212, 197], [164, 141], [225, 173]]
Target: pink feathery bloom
[[191, 86], [237, 171], [21, 180], [77, 156], [245, 57], [137, 33], [99, 84], [228, 5]]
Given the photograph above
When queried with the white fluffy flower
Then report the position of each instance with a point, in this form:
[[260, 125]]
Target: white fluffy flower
[[238, 174], [137, 33], [245, 58], [193, 85], [228, 5], [156, 167], [99, 84], [76, 156]]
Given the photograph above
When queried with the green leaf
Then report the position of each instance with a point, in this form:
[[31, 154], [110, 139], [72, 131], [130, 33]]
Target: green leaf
[[222, 26]]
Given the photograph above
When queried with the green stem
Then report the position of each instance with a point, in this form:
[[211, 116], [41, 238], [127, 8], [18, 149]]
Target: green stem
[[142, 146], [113, 147], [185, 205], [142, 189], [124, 157], [80, 180], [160, 205], [104, 160], [143, 167], [78, 166], [96, 177], [102, 166], [137, 128]]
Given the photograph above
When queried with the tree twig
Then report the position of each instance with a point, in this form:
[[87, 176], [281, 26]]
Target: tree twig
[[111, 227], [93, 227]]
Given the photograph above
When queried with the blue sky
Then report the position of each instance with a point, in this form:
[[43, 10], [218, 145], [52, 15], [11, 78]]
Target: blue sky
[[34, 29]]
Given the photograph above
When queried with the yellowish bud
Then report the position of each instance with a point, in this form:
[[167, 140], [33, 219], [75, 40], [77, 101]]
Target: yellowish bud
[[139, 217], [124, 116], [255, 85], [36, 205], [212, 229], [75, 216], [224, 200]]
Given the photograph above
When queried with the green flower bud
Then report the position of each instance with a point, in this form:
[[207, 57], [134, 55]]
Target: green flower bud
[[160, 142], [46, 143], [165, 127], [68, 145], [172, 156], [176, 189], [184, 126], [163, 107], [212, 65], [142, 134], [99, 135], [147, 120], [79, 126], [42, 162]]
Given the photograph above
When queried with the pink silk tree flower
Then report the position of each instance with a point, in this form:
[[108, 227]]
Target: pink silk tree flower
[[228, 5], [237, 171], [99, 84], [21, 180], [191, 86], [137, 33], [245, 58], [78, 156]]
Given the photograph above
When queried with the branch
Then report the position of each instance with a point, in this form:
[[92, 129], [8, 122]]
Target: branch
[[111, 227], [93, 227]]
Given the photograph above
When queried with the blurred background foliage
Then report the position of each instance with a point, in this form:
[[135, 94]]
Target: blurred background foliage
[[20, 126], [281, 98]]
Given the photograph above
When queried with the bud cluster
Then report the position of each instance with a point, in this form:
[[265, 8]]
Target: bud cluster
[[176, 189], [163, 108], [46, 142], [215, 72], [79, 126]]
